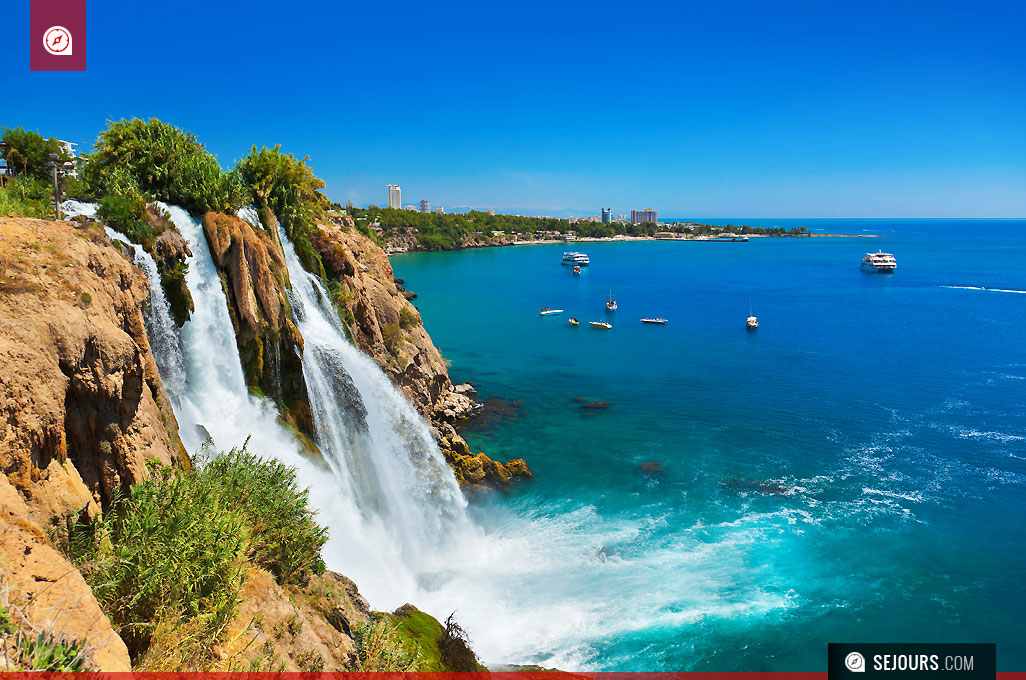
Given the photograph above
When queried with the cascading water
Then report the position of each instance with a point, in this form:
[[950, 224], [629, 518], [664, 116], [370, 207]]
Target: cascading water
[[534, 588], [160, 326], [391, 501]]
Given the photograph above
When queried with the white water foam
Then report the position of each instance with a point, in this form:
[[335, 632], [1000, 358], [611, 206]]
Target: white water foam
[[538, 584], [993, 290]]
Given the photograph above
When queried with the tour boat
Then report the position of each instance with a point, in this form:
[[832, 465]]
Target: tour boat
[[574, 322], [752, 323], [648, 320], [601, 324], [547, 311], [610, 303], [879, 262], [576, 259], [577, 269]]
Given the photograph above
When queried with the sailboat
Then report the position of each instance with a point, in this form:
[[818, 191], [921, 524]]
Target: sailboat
[[610, 302], [752, 323]]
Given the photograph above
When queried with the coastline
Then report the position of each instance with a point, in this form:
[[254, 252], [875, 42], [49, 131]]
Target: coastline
[[396, 250]]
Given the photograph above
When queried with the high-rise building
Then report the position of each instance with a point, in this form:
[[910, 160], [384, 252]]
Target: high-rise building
[[395, 199], [607, 215], [646, 215], [425, 206], [439, 210]]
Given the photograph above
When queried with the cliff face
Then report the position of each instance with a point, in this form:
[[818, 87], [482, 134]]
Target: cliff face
[[384, 324], [82, 411], [252, 268]]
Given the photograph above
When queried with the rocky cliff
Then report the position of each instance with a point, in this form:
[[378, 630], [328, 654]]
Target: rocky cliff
[[253, 273], [387, 327], [82, 410], [83, 416]]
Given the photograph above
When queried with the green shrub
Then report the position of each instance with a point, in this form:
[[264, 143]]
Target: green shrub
[[285, 538], [44, 652], [288, 187], [392, 337], [380, 648], [87, 299], [27, 197], [161, 162], [172, 280], [168, 553], [127, 215], [407, 319]]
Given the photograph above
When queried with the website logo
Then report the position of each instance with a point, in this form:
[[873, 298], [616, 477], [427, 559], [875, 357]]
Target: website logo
[[57, 41], [855, 662]]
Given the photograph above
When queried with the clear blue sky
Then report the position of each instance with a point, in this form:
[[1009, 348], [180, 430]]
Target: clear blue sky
[[696, 109]]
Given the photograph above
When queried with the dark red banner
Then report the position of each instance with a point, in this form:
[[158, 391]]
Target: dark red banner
[[506, 675], [57, 35]]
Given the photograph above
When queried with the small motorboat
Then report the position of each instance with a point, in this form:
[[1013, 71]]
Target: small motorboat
[[752, 323], [577, 269], [547, 311], [601, 324], [658, 321], [610, 303], [574, 322]]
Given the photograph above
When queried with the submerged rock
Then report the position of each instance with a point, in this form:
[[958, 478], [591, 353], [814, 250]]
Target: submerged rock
[[596, 405], [652, 468]]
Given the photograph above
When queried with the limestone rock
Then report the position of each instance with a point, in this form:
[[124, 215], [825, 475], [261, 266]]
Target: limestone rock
[[383, 324], [253, 270], [49, 590], [81, 404]]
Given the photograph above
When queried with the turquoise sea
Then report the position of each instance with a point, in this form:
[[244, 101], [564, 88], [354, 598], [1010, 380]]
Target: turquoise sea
[[853, 470]]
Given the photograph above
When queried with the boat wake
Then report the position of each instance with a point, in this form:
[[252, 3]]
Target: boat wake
[[994, 290]]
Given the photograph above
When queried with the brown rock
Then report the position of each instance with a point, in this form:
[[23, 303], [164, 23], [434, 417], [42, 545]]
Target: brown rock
[[49, 590], [652, 468], [518, 469], [372, 300], [256, 278], [81, 404]]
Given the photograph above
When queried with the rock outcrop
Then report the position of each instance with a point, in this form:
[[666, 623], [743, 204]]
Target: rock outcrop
[[387, 327], [255, 278], [82, 410]]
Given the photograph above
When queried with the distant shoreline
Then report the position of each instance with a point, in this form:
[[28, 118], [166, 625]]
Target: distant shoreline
[[617, 239]]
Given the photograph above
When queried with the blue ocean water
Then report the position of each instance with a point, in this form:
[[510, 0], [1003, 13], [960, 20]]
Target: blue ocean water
[[853, 470]]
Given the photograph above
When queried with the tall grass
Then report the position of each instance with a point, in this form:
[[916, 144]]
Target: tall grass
[[167, 561], [286, 540]]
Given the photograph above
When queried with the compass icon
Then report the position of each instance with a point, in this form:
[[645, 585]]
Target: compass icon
[[57, 41]]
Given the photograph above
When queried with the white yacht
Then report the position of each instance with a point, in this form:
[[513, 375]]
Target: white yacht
[[576, 259], [879, 262]]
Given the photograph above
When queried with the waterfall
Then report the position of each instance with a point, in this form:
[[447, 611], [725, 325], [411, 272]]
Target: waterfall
[[380, 449], [383, 490], [160, 325]]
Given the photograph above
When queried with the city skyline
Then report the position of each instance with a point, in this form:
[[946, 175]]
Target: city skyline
[[884, 110]]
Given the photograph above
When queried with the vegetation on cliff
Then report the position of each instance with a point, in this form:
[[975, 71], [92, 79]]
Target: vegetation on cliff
[[159, 162], [287, 186], [168, 559], [28, 153]]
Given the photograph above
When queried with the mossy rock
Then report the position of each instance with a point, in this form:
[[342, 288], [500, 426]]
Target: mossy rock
[[424, 632]]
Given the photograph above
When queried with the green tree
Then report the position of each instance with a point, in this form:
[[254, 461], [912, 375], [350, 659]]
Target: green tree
[[28, 152]]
